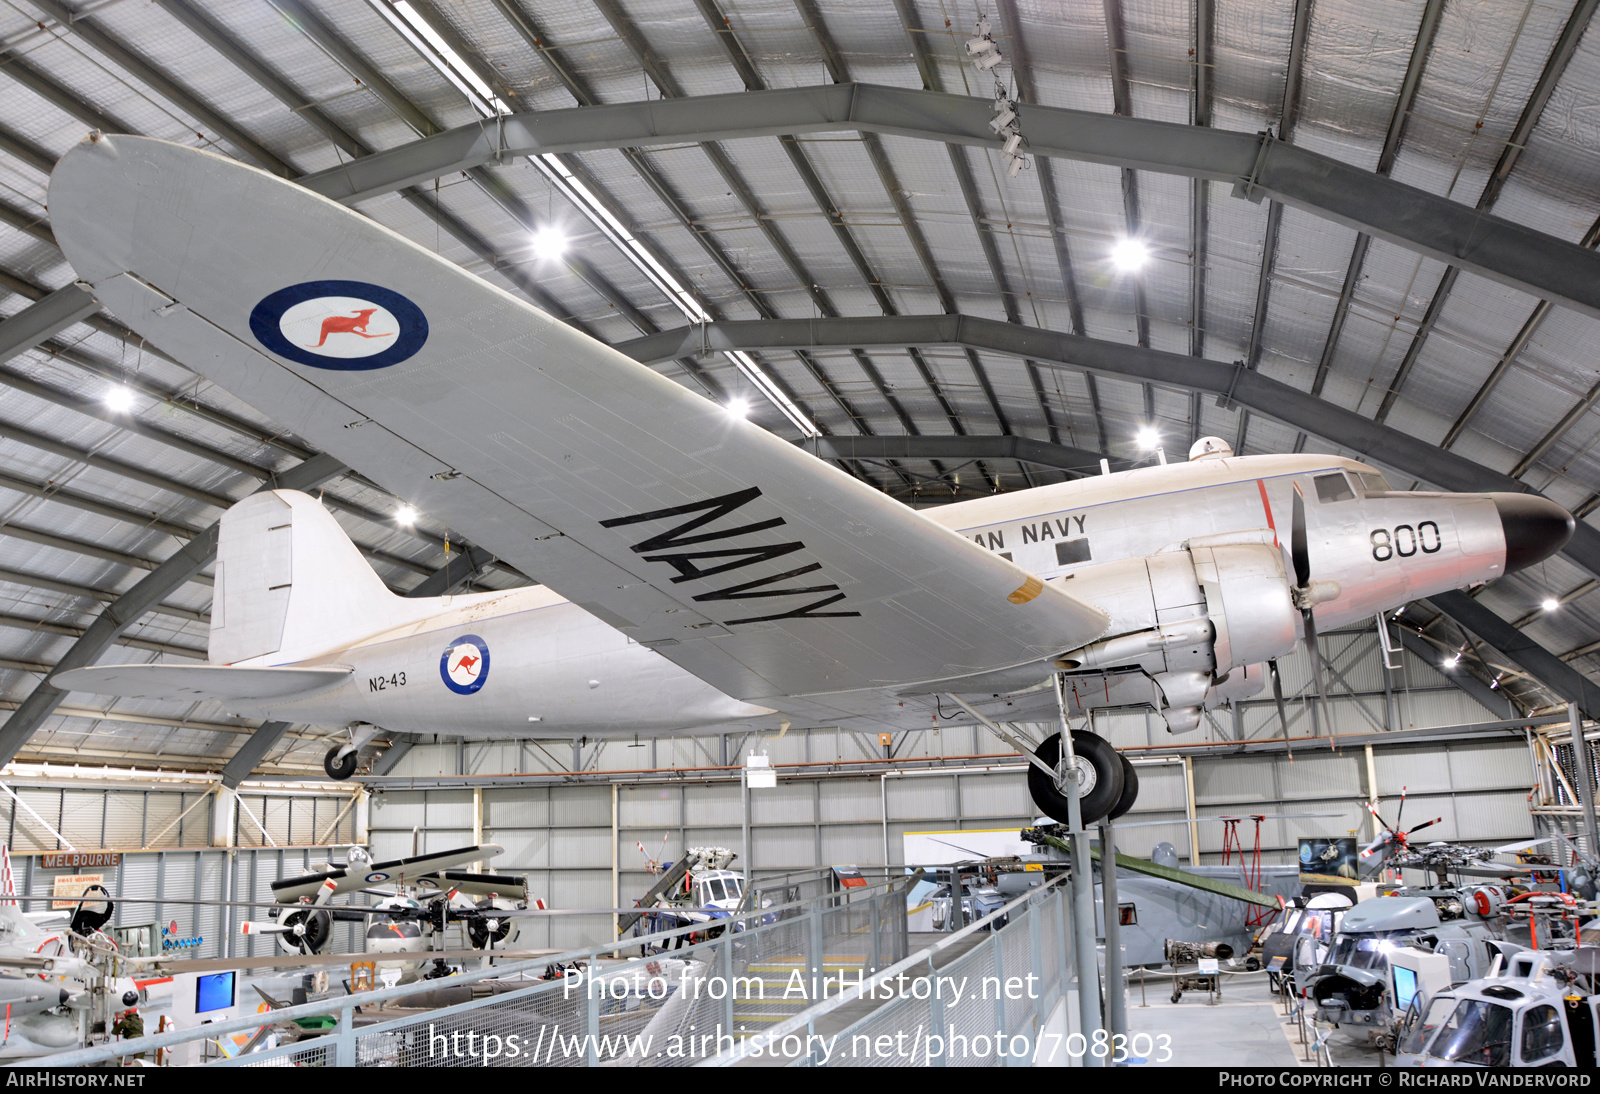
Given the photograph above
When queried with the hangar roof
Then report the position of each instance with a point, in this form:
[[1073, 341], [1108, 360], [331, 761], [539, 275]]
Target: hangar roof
[[893, 207]]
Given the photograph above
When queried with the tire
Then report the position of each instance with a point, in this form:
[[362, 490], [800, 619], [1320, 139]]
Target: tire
[[337, 768], [1102, 796], [1130, 788]]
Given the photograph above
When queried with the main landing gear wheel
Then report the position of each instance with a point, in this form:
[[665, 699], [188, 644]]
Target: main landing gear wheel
[[1130, 788], [1101, 776], [339, 768]]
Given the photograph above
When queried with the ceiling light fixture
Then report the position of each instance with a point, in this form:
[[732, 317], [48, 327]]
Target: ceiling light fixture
[[405, 515], [120, 399], [1129, 255], [1550, 604], [549, 243], [1148, 437], [1452, 661], [739, 408]]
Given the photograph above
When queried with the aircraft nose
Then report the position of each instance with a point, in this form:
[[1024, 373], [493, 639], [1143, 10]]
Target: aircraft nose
[[1535, 528]]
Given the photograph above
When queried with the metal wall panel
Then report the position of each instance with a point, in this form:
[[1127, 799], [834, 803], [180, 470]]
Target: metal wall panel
[[930, 797], [787, 803], [584, 804], [82, 817], [519, 807], [705, 804], [124, 818], [846, 800], [996, 796], [1161, 786], [1486, 765]]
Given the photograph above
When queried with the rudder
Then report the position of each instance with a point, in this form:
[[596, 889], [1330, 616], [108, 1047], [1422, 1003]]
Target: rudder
[[290, 585]]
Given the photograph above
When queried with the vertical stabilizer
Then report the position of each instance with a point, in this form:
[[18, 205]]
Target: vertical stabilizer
[[290, 586]]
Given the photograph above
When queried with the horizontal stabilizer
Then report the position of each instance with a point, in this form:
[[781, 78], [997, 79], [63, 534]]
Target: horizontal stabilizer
[[190, 682], [504, 885]]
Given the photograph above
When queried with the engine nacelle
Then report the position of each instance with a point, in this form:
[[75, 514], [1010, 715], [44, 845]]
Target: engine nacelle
[[1199, 621]]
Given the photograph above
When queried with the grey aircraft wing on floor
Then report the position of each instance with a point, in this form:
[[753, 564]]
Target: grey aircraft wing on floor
[[767, 573]]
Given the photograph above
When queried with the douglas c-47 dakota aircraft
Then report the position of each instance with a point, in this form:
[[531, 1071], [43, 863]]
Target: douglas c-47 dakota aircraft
[[696, 569]]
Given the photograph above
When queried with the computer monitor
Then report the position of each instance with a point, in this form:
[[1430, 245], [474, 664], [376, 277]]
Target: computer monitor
[[214, 991], [1405, 986]]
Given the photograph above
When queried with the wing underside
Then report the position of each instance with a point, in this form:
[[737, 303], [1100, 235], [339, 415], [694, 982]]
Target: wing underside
[[759, 568]]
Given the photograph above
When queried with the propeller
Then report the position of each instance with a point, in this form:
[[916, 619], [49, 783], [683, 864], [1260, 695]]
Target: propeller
[[1307, 594], [1283, 715]]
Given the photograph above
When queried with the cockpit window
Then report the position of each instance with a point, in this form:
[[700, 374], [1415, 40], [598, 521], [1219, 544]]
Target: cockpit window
[[1370, 951], [1478, 1033], [1373, 483], [1418, 1032], [1333, 488], [1541, 1034]]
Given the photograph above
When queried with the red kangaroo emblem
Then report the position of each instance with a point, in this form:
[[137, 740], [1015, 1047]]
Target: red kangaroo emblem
[[467, 662], [349, 324]]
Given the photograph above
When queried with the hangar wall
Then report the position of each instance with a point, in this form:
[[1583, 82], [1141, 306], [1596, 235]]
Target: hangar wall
[[577, 836]]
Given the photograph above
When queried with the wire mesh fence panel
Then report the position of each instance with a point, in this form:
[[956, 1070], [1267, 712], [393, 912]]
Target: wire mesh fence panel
[[315, 1054], [982, 1007]]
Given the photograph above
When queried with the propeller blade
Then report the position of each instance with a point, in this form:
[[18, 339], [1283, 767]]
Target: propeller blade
[[1316, 671], [1402, 810], [1299, 550], [1425, 824], [1283, 714]]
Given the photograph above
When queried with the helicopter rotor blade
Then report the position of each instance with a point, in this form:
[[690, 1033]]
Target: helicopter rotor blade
[[1425, 824]]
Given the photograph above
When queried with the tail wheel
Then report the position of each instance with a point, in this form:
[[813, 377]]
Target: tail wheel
[[1130, 788], [338, 768], [1100, 778]]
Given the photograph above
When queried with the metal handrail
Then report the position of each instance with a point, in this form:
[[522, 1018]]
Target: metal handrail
[[827, 1006], [112, 1050]]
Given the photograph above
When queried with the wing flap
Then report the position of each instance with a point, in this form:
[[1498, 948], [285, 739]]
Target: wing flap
[[190, 682], [761, 569]]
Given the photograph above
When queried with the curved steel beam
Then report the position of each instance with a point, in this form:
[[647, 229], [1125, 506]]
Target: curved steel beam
[[1249, 389], [1258, 165]]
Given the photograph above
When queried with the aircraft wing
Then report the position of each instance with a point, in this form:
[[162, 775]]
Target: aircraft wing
[[763, 570], [190, 682], [353, 876]]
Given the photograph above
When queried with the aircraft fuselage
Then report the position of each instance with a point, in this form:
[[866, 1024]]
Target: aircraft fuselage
[[547, 666]]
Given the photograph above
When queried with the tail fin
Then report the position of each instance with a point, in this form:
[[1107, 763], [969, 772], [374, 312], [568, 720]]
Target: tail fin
[[290, 586]]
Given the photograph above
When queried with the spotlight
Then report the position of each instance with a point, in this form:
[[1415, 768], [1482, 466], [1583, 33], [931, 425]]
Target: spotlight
[[1452, 661], [120, 398], [976, 46], [549, 243], [1002, 119], [1014, 167], [1550, 604], [405, 515], [739, 408], [1147, 437], [1129, 255], [1012, 142], [988, 60]]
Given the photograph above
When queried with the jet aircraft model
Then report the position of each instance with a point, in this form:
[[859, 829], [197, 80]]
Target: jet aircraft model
[[696, 568]]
